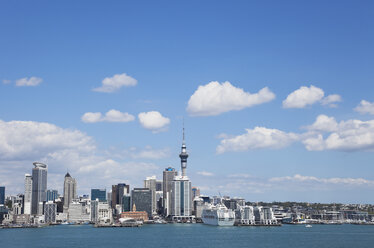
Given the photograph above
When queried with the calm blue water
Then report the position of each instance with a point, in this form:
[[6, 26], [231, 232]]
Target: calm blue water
[[190, 235]]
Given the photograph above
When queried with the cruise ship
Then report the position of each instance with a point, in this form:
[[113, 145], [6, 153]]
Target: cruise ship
[[218, 215]]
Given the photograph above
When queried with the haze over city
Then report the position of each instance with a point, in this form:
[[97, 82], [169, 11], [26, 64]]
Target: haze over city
[[276, 97]]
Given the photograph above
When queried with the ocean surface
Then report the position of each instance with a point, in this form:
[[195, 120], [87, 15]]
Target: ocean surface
[[190, 235]]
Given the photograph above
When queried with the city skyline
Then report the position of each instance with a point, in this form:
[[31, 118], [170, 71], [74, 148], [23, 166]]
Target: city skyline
[[276, 98]]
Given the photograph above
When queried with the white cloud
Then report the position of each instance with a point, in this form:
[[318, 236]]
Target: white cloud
[[6, 81], [215, 98], [32, 81], [324, 123], [154, 121], [205, 173], [350, 135], [331, 100], [334, 180], [23, 142], [365, 107], [305, 96], [112, 84], [110, 116], [257, 138]]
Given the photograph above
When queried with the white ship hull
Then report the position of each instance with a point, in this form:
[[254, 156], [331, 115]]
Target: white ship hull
[[218, 216]]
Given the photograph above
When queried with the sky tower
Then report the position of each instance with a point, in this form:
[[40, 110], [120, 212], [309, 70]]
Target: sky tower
[[183, 155]]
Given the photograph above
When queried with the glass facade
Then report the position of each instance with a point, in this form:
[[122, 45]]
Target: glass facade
[[98, 194], [2, 195]]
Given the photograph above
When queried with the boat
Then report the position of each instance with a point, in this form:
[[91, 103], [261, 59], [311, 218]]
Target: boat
[[308, 225], [218, 215]]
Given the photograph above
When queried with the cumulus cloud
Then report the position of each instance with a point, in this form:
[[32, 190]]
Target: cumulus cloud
[[32, 81], [305, 96], [136, 153], [215, 98], [23, 142], [257, 138], [154, 121], [112, 84], [324, 123], [350, 135], [205, 173], [365, 107], [110, 116]]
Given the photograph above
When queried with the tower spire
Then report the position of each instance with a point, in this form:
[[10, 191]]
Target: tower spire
[[183, 155]]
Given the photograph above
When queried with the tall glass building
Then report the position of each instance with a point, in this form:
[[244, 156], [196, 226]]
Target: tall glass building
[[39, 187], [52, 195], [142, 199], [98, 194]]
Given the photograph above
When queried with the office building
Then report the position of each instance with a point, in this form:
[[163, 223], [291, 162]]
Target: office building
[[150, 183], [98, 194], [78, 213], [39, 188], [142, 198], [27, 195], [70, 190], [168, 177], [2, 195], [195, 192], [118, 191], [126, 203], [181, 200], [52, 195]]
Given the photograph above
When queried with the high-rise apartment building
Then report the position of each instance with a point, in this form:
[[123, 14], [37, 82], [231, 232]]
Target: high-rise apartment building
[[52, 195], [39, 188], [70, 190], [28, 194]]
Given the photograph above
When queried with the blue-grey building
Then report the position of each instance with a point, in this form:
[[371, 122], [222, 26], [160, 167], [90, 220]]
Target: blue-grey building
[[52, 195], [2, 195], [142, 199], [39, 188], [126, 203], [98, 194]]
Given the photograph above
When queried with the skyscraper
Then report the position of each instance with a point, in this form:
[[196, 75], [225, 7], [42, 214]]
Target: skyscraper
[[150, 183], [39, 187], [52, 195], [2, 195], [181, 202], [70, 190], [28, 194], [168, 177], [141, 198], [118, 191]]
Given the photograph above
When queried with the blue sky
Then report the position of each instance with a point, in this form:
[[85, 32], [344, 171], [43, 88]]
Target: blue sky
[[165, 50]]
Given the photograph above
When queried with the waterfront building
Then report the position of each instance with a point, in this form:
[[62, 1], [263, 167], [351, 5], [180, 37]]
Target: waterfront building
[[181, 200], [21, 219], [98, 194], [168, 177], [28, 194], [50, 211], [150, 183], [52, 195], [39, 188], [264, 215], [136, 215], [70, 190], [101, 212], [2, 195], [247, 216], [77, 213], [142, 198]]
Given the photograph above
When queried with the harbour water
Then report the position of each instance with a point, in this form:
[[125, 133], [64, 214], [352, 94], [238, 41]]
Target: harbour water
[[190, 235]]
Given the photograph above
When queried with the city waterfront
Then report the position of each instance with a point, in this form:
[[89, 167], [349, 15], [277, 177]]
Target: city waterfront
[[187, 235]]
